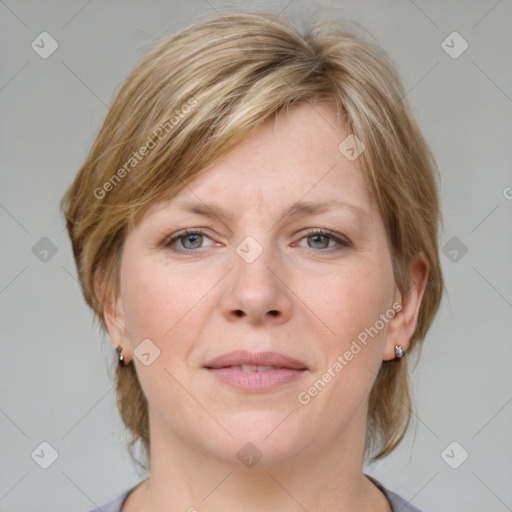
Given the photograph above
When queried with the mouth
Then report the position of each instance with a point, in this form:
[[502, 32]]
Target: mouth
[[253, 368], [255, 361], [256, 372]]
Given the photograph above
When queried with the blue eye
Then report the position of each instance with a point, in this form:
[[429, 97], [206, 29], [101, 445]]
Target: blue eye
[[189, 235], [319, 234], [195, 237]]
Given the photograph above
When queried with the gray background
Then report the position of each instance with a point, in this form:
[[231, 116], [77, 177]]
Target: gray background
[[55, 383]]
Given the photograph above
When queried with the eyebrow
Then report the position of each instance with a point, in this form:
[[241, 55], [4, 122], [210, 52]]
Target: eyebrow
[[299, 208]]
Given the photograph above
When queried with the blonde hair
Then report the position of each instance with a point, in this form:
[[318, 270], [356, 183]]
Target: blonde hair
[[199, 93]]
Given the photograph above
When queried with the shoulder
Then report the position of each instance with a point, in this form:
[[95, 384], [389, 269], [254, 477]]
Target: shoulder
[[398, 504], [113, 505]]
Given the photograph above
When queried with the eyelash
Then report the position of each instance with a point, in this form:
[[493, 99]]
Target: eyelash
[[170, 242]]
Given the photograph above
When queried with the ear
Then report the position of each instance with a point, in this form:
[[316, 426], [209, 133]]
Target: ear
[[114, 316], [401, 327]]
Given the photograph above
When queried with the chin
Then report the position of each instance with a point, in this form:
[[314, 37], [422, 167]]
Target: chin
[[260, 439]]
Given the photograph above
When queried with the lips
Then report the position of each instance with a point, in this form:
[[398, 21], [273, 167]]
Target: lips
[[256, 372], [254, 368], [255, 361]]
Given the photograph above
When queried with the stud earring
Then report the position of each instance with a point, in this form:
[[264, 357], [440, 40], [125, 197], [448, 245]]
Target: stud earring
[[120, 356], [399, 351]]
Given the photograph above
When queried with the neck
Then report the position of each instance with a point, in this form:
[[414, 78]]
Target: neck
[[327, 475]]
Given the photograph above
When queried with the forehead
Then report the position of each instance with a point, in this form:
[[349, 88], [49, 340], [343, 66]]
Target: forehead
[[292, 162]]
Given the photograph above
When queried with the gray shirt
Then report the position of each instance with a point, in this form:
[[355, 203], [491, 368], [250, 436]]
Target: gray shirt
[[398, 504]]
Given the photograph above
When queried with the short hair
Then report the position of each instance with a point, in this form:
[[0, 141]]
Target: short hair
[[192, 99]]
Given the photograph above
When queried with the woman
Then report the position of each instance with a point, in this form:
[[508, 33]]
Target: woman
[[256, 229]]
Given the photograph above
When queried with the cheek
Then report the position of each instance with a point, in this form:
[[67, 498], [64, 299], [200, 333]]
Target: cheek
[[151, 299], [354, 300], [351, 306], [167, 305]]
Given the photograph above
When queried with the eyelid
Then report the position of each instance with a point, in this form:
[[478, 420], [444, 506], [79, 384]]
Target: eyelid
[[341, 240]]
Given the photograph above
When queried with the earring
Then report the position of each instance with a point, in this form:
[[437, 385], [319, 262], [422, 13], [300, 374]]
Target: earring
[[399, 351], [120, 356]]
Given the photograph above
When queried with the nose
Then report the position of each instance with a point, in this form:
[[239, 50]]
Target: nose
[[256, 290]]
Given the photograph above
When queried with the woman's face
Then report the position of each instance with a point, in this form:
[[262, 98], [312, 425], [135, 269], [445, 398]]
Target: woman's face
[[259, 279]]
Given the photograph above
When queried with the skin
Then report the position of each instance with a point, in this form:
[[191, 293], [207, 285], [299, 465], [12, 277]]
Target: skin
[[304, 295]]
